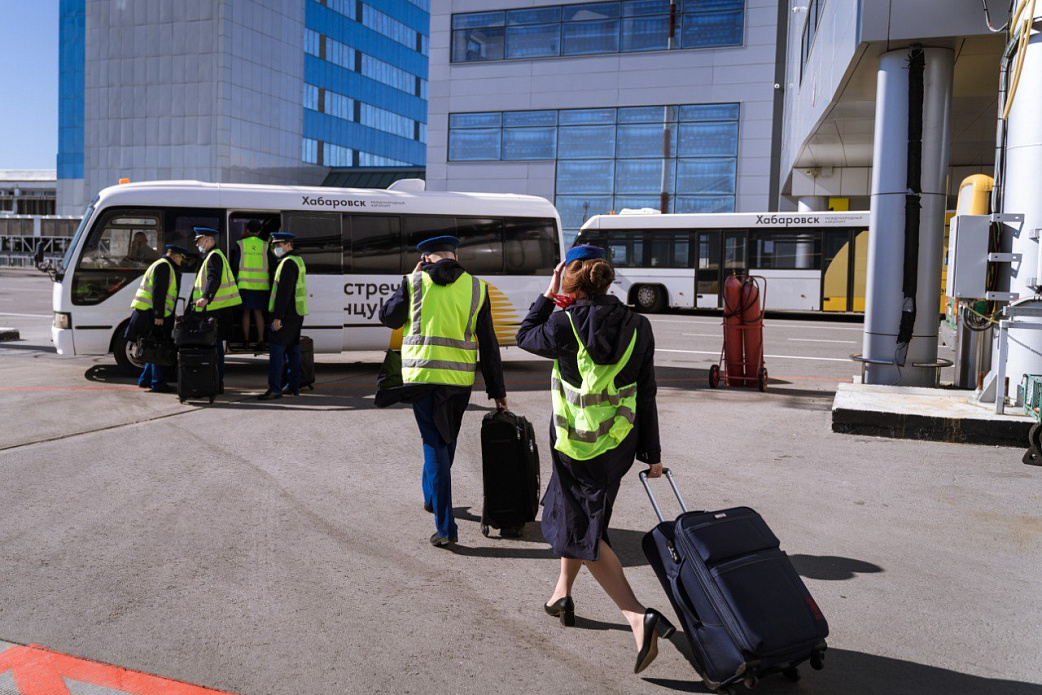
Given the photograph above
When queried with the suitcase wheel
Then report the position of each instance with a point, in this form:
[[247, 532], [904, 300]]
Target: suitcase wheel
[[514, 532], [750, 682], [181, 399], [792, 673], [817, 661], [211, 400], [484, 530], [311, 387]]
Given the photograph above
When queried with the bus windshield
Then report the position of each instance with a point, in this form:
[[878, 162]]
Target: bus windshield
[[67, 260]]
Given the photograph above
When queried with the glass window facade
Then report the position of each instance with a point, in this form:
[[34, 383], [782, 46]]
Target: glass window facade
[[365, 73], [614, 158], [72, 30], [597, 28]]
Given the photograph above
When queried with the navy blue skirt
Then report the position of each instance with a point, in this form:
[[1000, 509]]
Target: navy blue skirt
[[254, 299], [579, 499]]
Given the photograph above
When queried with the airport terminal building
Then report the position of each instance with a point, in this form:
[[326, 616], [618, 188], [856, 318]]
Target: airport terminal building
[[608, 105], [258, 91]]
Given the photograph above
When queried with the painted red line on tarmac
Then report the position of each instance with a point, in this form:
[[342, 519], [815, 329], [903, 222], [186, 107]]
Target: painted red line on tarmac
[[40, 671]]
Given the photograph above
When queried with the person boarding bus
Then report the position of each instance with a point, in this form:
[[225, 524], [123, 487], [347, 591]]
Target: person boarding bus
[[287, 307], [153, 307], [215, 290], [252, 269], [446, 318]]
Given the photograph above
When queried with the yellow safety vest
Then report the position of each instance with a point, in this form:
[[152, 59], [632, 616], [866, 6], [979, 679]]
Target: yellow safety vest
[[227, 293], [144, 299], [438, 344], [598, 416], [253, 264], [301, 290]]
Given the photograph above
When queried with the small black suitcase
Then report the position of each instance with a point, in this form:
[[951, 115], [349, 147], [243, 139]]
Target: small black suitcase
[[197, 375], [307, 362], [509, 473], [744, 609]]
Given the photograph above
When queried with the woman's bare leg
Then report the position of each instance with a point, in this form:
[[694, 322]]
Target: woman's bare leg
[[607, 570], [569, 571]]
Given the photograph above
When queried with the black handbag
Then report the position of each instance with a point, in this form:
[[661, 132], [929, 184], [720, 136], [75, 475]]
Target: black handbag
[[157, 350], [195, 329], [389, 381]]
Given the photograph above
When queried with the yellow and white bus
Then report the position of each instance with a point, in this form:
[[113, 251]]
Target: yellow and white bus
[[814, 261], [357, 244]]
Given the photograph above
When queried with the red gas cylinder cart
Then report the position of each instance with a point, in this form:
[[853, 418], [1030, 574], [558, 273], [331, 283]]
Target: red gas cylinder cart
[[741, 358]]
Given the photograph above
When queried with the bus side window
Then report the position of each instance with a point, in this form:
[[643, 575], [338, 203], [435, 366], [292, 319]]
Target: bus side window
[[179, 229], [416, 229], [530, 246], [481, 245], [318, 240], [117, 252], [375, 245]]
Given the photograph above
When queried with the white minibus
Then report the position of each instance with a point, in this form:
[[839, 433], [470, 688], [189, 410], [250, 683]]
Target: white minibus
[[357, 244]]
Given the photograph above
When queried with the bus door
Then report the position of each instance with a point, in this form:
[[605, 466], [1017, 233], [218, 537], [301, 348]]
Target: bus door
[[237, 221], [707, 269], [837, 270], [319, 241]]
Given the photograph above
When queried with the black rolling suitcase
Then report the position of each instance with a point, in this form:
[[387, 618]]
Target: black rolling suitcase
[[307, 362], [509, 473], [197, 376], [744, 609]]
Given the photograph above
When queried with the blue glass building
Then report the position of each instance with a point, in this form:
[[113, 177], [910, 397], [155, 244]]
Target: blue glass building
[[287, 90]]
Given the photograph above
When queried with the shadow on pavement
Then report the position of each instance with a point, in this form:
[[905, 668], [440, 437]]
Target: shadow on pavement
[[108, 374], [831, 567], [28, 348], [857, 673]]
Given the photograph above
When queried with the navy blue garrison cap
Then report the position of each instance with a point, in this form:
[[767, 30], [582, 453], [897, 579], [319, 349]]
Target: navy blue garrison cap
[[178, 249], [438, 243], [205, 231], [282, 236], [584, 252]]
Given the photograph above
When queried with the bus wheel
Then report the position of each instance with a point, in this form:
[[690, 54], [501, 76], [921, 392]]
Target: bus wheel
[[649, 299], [121, 350]]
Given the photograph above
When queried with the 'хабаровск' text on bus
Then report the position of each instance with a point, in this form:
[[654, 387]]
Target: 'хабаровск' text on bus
[[357, 244], [812, 261]]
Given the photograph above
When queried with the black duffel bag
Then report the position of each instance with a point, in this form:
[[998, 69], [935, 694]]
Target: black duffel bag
[[157, 350], [195, 329]]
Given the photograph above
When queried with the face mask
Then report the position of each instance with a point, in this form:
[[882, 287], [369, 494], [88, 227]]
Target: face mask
[[202, 249], [280, 252]]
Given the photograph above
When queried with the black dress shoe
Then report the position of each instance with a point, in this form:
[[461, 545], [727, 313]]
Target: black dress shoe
[[563, 609], [269, 395], [655, 626]]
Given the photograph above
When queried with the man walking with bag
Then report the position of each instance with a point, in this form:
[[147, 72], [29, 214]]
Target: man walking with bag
[[447, 320], [153, 307]]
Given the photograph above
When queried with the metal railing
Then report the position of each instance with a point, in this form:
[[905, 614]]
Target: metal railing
[[23, 237]]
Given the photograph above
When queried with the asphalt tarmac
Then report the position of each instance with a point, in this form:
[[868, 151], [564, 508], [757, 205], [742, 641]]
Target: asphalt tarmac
[[278, 548]]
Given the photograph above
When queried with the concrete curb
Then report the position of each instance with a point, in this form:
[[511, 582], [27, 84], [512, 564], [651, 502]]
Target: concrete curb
[[939, 415], [7, 334]]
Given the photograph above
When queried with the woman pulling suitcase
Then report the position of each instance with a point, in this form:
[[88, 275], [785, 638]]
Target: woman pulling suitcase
[[603, 392]]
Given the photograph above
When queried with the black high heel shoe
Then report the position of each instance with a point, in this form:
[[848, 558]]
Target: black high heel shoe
[[563, 609], [655, 626]]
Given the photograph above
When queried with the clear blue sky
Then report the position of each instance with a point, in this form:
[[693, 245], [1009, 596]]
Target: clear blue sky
[[28, 84]]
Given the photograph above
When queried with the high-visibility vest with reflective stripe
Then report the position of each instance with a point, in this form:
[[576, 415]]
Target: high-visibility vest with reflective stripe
[[438, 343], [301, 291], [596, 417], [253, 264], [144, 299], [227, 293]]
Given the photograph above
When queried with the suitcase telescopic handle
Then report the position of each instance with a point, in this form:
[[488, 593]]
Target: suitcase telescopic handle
[[651, 496]]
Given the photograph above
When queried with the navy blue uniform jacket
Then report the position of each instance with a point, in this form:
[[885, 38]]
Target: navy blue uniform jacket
[[286, 306], [606, 326]]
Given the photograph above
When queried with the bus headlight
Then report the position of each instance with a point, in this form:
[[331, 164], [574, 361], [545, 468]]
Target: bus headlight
[[62, 320]]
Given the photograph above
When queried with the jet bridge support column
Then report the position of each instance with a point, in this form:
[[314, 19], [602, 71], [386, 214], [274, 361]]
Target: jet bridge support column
[[909, 191]]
